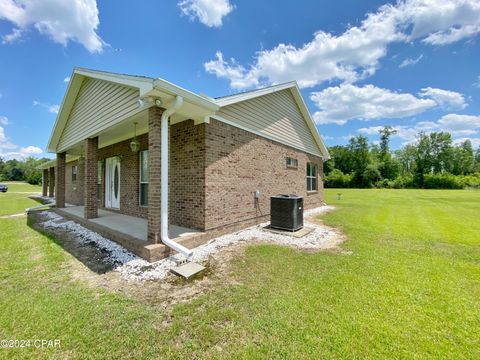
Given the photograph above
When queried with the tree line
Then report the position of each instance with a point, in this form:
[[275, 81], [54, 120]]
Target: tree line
[[22, 170], [433, 161]]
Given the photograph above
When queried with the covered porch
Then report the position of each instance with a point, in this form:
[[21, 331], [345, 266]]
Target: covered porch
[[131, 232], [117, 129]]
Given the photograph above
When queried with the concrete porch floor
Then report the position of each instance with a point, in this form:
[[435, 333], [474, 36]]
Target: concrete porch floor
[[130, 225], [131, 232]]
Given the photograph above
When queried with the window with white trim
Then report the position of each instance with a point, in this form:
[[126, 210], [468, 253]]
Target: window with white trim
[[292, 163], [144, 178], [311, 177]]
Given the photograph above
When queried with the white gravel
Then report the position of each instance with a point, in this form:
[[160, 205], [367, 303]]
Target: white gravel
[[132, 267], [116, 254]]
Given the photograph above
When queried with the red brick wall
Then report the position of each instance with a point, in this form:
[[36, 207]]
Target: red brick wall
[[238, 163], [129, 175], [90, 178], [187, 175], [74, 189], [60, 180], [214, 171]]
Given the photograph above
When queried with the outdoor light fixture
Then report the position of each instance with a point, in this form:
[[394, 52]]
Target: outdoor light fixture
[[135, 144]]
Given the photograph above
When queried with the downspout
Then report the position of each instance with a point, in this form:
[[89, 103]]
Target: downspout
[[164, 180]]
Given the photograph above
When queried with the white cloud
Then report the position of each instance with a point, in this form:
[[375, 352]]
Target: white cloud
[[5, 141], [444, 98], [8, 150], [452, 35], [67, 79], [475, 141], [208, 12], [410, 61], [460, 126], [476, 83], [239, 77], [12, 37], [4, 120], [52, 108], [62, 21], [355, 53], [21, 153], [345, 102]]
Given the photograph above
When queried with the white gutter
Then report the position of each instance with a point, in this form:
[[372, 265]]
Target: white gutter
[[164, 180]]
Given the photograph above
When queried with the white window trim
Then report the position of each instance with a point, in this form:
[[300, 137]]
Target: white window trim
[[315, 176], [290, 166], [140, 182]]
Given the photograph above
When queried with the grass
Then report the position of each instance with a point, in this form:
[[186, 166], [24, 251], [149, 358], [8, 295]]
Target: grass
[[409, 289], [16, 200]]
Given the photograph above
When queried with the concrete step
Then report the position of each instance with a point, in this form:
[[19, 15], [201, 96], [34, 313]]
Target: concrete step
[[188, 269]]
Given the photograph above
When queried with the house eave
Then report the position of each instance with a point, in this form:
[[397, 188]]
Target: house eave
[[197, 107]]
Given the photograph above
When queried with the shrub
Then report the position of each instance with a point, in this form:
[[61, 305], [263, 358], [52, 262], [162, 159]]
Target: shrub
[[337, 179], [442, 181], [471, 181], [371, 175]]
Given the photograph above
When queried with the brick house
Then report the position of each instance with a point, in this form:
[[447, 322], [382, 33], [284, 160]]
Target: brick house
[[117, 136]]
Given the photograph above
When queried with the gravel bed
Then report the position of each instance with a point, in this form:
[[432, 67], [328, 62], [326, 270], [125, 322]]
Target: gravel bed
[[134, 268]]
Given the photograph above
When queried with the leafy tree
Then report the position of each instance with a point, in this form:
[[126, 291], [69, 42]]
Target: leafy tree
[[388, 166], [12, 171], [371, 175], [21, 170], [2, 166], [476, 166], [463, 160], [441, 148], [360, 157], [406, 158], [431, 162], [341, 159]]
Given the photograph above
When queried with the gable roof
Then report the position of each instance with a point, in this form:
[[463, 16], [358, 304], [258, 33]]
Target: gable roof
[[297, 95], [199, 105], [147, 86]]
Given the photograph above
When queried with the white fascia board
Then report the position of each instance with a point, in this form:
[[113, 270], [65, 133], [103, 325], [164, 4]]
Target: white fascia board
[[144, 84], [229, 100], [47, 165], [165, 86], [65, 107], [53, 162]]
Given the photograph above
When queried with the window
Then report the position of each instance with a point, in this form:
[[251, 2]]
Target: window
[[311, 177], [292, 163], [144, 178], [74, 173], [99, 179]]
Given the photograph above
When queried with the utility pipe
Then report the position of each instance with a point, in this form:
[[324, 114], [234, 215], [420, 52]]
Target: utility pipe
[[164, 180]]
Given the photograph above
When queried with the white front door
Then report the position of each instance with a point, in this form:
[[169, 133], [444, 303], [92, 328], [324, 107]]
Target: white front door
[[112, 183]]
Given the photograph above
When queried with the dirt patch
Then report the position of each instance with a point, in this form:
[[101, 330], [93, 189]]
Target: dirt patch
[[87, 253]]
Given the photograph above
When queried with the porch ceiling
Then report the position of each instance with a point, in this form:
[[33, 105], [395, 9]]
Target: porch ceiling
[[119, 132]]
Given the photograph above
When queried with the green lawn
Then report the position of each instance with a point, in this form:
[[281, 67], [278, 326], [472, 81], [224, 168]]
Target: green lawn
[[16, 200], [409, 289]]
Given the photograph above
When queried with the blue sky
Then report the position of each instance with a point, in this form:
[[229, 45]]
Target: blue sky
[[361, 65]]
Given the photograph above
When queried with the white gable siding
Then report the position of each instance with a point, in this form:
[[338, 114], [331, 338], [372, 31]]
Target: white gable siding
[[99, 104], [275, 116]]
